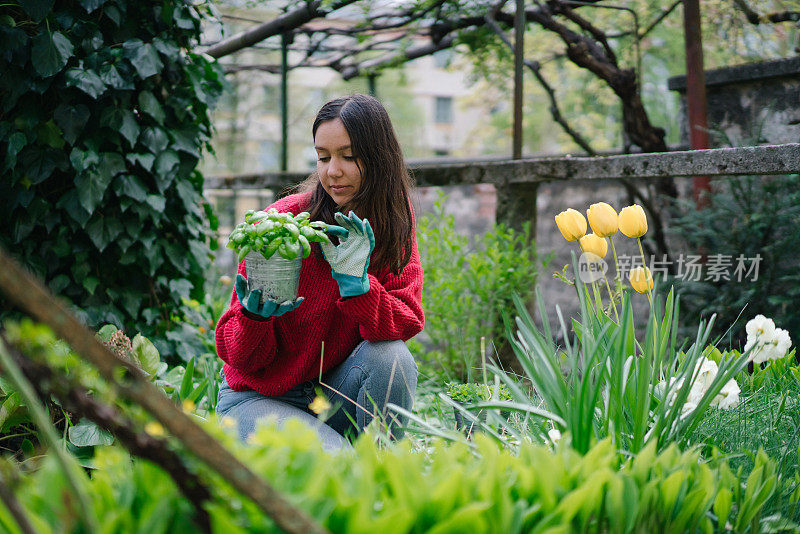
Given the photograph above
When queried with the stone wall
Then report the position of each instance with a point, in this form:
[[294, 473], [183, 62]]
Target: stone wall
[[757, 103]]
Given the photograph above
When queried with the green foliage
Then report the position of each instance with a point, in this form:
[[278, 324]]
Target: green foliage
[[466, 393], [767, 418], [467, 287], [453, 488], [269, 232], [605, 382], [104, 112], [749, 217], [194, 385]]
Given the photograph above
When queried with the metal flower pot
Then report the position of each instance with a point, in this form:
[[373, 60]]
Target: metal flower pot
[[277, 278]]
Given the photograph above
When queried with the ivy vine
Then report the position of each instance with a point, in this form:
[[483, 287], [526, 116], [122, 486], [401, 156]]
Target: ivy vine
[[104, 112]]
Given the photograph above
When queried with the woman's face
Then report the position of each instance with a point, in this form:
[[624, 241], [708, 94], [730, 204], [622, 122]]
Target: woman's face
[[339, 173]]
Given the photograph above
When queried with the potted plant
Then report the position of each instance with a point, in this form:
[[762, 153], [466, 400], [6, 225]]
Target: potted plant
[[273, 245], [468, 394]]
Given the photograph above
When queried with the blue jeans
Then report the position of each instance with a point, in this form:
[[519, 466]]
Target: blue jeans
[[375, 374]]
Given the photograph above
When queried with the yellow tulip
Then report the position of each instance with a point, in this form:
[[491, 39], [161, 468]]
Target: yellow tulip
[[641, 279], [602, 219], [571, 224], [632, 221], [594, 244]]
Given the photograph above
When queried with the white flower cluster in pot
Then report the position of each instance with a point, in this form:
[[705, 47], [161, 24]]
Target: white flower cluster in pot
[[767, 342], [705, 372]]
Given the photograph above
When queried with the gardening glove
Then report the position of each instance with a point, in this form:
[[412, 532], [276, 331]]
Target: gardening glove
[[270, 308], [350, 259]]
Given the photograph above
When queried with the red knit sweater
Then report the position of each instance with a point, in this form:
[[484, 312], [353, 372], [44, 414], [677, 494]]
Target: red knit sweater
[[270, 356]]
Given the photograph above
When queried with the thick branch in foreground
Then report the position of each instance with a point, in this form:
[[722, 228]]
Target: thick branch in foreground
[[32, 297], [287, 22], [76, 399]]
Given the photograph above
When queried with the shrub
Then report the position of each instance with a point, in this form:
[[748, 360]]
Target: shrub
[[104, 111], [451, 489], [749, 216], [467, 286]]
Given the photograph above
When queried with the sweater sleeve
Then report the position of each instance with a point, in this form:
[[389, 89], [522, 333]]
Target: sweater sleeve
[[245, 344], [392, 308]]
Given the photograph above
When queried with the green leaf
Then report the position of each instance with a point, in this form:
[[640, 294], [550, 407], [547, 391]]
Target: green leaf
[[83, 159], [87, 434], [145, 354], [186, 383], [156, 202], [15, 143], [131, 186], [91, 5], [90, 282], [87, 81], [50, 134], [145, 160], [123, 120], [155, 139], [39, 164], [143, 57], [50, 53], [37, 9], [111, 77], [106, 331], [164, 169], [91, 187], [71, 119], [10, 407], [150, 105], [102, 231]]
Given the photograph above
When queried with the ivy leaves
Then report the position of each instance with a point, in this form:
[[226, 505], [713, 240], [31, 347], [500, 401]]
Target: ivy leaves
[[50, 53], [102, 122]]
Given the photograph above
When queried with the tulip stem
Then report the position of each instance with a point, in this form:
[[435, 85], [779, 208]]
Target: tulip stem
[[644, 265], [611, 296], [617, 276]]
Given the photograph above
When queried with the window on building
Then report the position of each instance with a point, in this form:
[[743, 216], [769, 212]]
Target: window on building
[[444, 110]]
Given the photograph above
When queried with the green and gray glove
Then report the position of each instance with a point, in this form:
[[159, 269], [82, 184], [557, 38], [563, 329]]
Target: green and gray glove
[[270, 308], [350, 259]]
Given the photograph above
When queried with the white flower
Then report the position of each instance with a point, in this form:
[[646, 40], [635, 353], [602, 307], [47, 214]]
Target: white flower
[[760, 326], [782, 343], [728, 396], [761, 337], [706, 371], [764, 341], [554, 434]]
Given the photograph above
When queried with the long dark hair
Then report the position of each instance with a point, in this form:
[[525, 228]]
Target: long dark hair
[[383, 197]]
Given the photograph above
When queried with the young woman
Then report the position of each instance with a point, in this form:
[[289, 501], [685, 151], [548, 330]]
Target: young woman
[[361, 295]]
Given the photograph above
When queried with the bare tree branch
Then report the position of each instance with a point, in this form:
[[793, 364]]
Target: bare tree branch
[[351, 71], [585, 25], [282, 24], [753, 17], [650, 27]]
